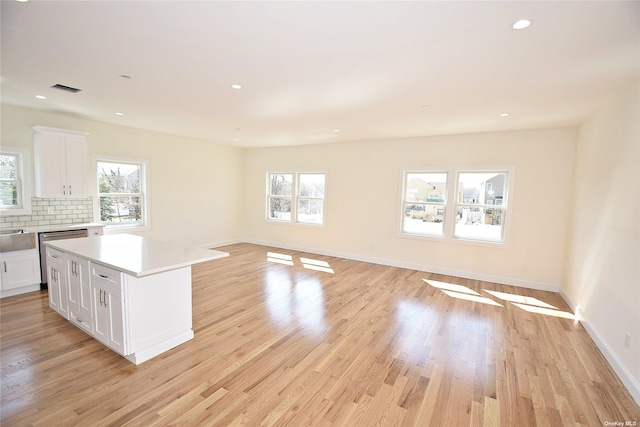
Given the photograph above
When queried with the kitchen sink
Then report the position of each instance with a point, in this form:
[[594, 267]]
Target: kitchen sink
[[16, 240]]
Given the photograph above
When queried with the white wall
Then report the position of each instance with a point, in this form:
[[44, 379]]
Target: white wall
[[363, 202], [602, 274], [195, 187]]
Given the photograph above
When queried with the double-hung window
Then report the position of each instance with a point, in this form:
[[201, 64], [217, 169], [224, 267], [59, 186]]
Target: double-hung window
[[481, 206], [121, 193], [15, 183], [424, 204], [296, 197], [469, 205]]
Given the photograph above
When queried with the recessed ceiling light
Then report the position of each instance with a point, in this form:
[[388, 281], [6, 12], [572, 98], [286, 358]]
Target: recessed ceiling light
[[426, 106], [336, 130], [119, 114], [521, 24], [41, 97], [22, 1], [505, 115], [236, 86], [236, 139]]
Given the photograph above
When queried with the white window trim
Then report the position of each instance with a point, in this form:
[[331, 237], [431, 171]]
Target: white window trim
[[449, 220], [294, 199], [25, 177], [146, 215]]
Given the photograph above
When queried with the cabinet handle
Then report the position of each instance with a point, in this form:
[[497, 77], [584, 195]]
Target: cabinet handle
[[70, 190], [101, 297], [105, 300], [104, 276], [5, 266], [64, 190]]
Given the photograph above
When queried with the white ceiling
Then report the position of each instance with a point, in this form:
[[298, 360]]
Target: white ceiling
[[307, 68]]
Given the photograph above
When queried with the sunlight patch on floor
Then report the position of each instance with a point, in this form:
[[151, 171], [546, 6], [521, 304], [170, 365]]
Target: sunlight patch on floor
[[470, 297], [280, 258], [546, 311], [520, 299], [451, 287], [318, 265]]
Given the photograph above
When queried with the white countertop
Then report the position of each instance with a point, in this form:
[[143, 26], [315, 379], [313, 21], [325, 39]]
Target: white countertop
[[135, 255]]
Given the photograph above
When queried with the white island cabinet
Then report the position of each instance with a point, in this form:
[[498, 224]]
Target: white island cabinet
[[131, 293]]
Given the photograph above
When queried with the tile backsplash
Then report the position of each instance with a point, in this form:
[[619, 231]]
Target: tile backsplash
[[65, 211]]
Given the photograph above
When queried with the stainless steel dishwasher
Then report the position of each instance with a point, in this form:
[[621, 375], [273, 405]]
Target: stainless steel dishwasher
[[54, 235]]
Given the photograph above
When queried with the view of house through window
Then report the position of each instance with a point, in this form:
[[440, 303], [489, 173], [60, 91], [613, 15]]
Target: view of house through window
[[480, 206], [424, 203], [121, 193], [10, 193], [476, 211], [304, 191]]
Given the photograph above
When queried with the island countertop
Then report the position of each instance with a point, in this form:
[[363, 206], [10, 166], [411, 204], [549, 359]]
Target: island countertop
[[135, 255]]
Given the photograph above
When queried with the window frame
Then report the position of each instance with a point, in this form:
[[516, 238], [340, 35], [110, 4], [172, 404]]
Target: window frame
[[294, 199], [144, 194], [428, 202], [451, 204], [23, 181]]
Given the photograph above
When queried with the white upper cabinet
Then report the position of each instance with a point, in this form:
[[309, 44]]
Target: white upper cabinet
[[60, 162]]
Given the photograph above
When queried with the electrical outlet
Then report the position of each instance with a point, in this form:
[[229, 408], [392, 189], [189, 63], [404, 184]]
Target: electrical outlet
[[51, 210], [627, 340]]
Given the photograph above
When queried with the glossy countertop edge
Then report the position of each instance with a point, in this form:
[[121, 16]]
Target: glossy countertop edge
[[91, 248]]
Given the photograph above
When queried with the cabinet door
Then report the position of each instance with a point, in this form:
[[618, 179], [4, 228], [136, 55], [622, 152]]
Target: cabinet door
[[53, 288], [100, 315], [18, 271], [58, 285], [115, 329], [76, 166], [51, 176], [79, 293], [109, 307]]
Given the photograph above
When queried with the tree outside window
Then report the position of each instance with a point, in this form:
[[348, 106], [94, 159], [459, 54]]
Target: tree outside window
[[120, 191]]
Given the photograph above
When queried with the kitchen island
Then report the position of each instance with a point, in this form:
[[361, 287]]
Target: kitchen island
[[130, 292]]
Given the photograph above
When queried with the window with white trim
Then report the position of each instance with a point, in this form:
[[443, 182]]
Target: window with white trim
[[121, 193], [456, 204], [15, 182], [480, 206], [424, 203], [296, 197]]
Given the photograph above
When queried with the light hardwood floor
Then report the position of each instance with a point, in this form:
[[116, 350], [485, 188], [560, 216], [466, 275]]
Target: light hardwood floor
[[287, 345]]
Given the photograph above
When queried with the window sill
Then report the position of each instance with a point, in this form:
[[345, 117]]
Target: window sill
[[455, 240]]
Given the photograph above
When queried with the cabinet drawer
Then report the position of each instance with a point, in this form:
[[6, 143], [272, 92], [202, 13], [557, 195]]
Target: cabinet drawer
[[55, 254], [105, 274]]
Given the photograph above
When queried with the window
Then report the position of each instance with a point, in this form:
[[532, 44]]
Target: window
[[15, 185], [121, 193], [304, 191], [471, 207], [10, 184], [477, 218], [424, 203]]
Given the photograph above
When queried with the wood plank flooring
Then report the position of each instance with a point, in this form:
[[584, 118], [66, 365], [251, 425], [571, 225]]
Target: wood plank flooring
[[285, 345]]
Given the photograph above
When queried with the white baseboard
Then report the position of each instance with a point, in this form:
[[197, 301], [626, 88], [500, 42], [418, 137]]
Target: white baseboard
[[625, 376], [18, 291], [221, 243], [552, 287]]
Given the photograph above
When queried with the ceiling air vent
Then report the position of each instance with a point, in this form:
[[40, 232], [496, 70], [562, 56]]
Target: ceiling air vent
[[67, 88]]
